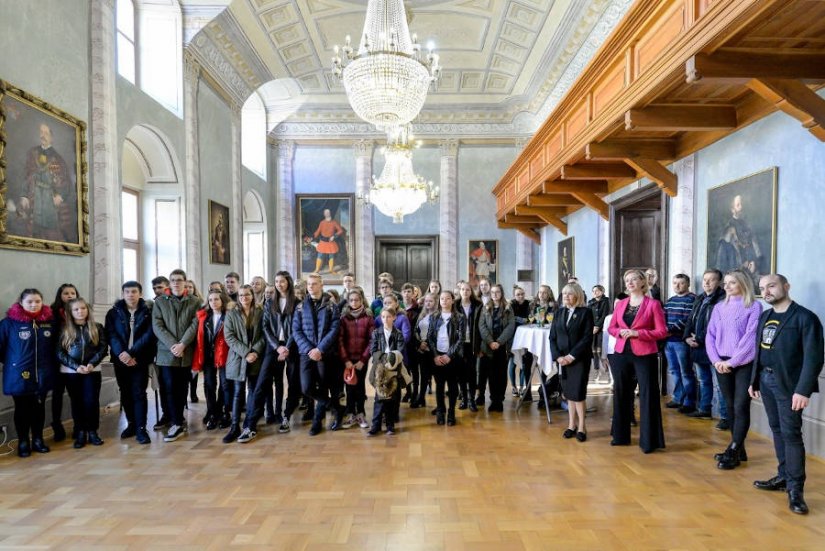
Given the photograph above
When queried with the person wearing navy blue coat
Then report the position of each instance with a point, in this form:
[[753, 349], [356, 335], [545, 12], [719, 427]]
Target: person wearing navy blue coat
[[28, 352], [315, 330]]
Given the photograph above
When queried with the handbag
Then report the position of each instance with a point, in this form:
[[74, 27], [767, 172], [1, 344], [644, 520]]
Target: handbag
[[350, 376]]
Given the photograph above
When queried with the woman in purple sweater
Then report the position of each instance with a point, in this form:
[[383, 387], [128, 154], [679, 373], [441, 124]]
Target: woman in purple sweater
[[730, 346]]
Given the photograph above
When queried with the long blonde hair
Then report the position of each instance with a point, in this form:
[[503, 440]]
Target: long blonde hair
[[745, 284], [71, 330]]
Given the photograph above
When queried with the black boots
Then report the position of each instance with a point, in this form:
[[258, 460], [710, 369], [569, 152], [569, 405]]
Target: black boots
[[233, 434], [731, 457]]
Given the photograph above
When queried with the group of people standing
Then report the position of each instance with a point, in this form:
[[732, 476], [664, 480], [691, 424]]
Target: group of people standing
[[245, 339]]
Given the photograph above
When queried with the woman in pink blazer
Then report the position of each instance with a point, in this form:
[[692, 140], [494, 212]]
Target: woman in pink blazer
[[637, 323]]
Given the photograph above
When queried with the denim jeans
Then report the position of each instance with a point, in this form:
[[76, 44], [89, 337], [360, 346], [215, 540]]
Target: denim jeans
[[705, 377], [786, 426], [681, 371], [720, 398]]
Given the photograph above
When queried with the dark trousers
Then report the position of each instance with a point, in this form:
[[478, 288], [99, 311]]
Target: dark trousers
[[164, 412], [210, 390], [176, 384], [786, 426], [425, 368], [467, 373], [314, 380], [271, 370], [84, 393], [495, 368], [445, 374], [57, 399], [734, 387], [270, 359], [132, 382], [357, 394], [245, 396], [29, 415], [388, 410], [645, 369], [293, 381], [226, 393], [415, 371]]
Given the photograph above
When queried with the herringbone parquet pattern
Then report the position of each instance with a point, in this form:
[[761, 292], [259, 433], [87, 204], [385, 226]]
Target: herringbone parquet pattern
[[496, 481]]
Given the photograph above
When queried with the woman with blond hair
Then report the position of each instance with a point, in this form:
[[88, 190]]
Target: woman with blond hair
[[730, 346], [638, 323], [571, 337]]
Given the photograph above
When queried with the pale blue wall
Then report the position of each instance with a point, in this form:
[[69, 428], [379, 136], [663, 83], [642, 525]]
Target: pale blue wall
[[583, 226], [780, 141], [324, 169], [47, 56]]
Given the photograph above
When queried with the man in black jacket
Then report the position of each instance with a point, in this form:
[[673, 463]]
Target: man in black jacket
[[133, 344], [789, 358], [694, 335]]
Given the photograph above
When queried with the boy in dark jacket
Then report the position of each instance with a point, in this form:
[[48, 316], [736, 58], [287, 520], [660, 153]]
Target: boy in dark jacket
[[133, 344], [386, 375]]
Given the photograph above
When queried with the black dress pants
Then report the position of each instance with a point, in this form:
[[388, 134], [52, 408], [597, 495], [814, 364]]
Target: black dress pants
[[176, 385], [446, 375], [425, 367], [467, 374], [84, 393], [132, 382], [646, 370], [734, 387], [495, 369], [29, 415], [58, 391], [386, 409]]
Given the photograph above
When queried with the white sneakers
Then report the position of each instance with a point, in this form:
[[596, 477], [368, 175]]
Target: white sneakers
[[247, 435], [174, 432]]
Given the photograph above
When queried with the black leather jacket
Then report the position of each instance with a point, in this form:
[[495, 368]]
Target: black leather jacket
[[455, 331], [82, 351]]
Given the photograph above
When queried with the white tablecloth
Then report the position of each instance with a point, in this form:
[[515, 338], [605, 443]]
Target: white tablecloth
[[535, 340]]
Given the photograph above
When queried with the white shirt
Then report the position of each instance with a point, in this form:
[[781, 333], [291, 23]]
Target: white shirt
[[282, 306], [442, 342], [387, 339], [423, 327], [467, 315], [216, 319], [608, 340]]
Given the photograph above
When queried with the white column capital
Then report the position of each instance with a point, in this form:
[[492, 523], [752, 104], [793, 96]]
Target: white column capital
[[449, 147], [191, 68], [363, 148], [285, 149]]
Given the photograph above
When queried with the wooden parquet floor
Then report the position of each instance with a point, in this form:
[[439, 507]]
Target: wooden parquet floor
[[494, 482]]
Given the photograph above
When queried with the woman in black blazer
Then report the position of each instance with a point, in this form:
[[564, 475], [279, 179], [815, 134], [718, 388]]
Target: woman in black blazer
[[571, 336]]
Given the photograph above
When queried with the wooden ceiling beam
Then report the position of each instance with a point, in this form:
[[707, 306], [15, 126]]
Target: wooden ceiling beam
[[555, 200], [531, 234], [615, 150], [738, 66], [541, 212], [597, 171], [529, 220], [569, 186], [594, 202], [795, 99], [657, 172], [681, 118]]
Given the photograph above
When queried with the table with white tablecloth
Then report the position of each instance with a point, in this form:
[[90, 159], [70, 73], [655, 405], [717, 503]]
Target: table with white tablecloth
[[536, 340]]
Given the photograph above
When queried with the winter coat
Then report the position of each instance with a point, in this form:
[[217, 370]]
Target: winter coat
[[242, 343], [600, 308], [212, 337], [27, 349], [698, 322], [82, 351], [354, 337], [325, 338], [402, 323], [144, 345], [485, 328], [174, 320], [472, 322], [388, 375], [455, 332], [378, 342]]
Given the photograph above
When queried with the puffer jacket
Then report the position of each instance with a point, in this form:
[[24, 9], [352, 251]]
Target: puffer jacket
[[174, 320], [485, 328], [241, 343], [306, 337], [82, 351], [144, 345], [28, 352], [455, 331], [212, 337], [354, 337]]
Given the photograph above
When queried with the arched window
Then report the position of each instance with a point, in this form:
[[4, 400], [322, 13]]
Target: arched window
[[254, 236], [125, 11], [253, 135]]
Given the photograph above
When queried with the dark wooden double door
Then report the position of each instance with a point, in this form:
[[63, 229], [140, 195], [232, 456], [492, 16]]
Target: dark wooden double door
[[639, 234], [408, 259]]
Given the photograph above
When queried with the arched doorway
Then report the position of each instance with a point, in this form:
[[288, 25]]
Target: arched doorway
[[255, 259]]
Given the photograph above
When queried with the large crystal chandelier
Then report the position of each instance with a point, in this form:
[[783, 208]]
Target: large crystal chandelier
[[387, 79], [399, 191]]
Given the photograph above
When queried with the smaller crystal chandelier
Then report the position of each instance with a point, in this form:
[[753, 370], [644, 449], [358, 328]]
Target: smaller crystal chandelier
[[399, 190]]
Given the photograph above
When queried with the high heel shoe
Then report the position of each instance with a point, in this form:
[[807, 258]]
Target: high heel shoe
[[569, 433]]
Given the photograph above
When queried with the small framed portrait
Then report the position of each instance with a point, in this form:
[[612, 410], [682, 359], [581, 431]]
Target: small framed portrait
[[566, 262], [44, 204], [219, 251], [742, 225], [482, 261], [325, 236]]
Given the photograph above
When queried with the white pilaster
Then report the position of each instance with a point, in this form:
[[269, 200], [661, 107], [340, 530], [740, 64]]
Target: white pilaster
[[194, 252], [105, 150], [603, 274], [237, 256], [364, 229], [682, 220], [286, 207], [448, 214], [525, 259]]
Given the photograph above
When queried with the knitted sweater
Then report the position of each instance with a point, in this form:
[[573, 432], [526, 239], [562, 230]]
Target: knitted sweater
[[677, 313], [732, 331]]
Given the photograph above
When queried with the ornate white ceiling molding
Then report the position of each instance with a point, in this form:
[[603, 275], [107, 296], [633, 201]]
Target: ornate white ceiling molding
[[212, 59]]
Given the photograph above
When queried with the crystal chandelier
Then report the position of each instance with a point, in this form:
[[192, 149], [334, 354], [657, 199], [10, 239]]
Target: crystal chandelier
[[387, 79], [399, 190]]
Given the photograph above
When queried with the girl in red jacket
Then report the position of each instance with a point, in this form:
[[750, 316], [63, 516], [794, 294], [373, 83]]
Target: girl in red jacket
[[354, 349], [210, 356]]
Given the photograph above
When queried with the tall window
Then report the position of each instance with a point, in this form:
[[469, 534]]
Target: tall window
[[130, 226], [161, 54], [254, 236], [126, 39], [253, 135]]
